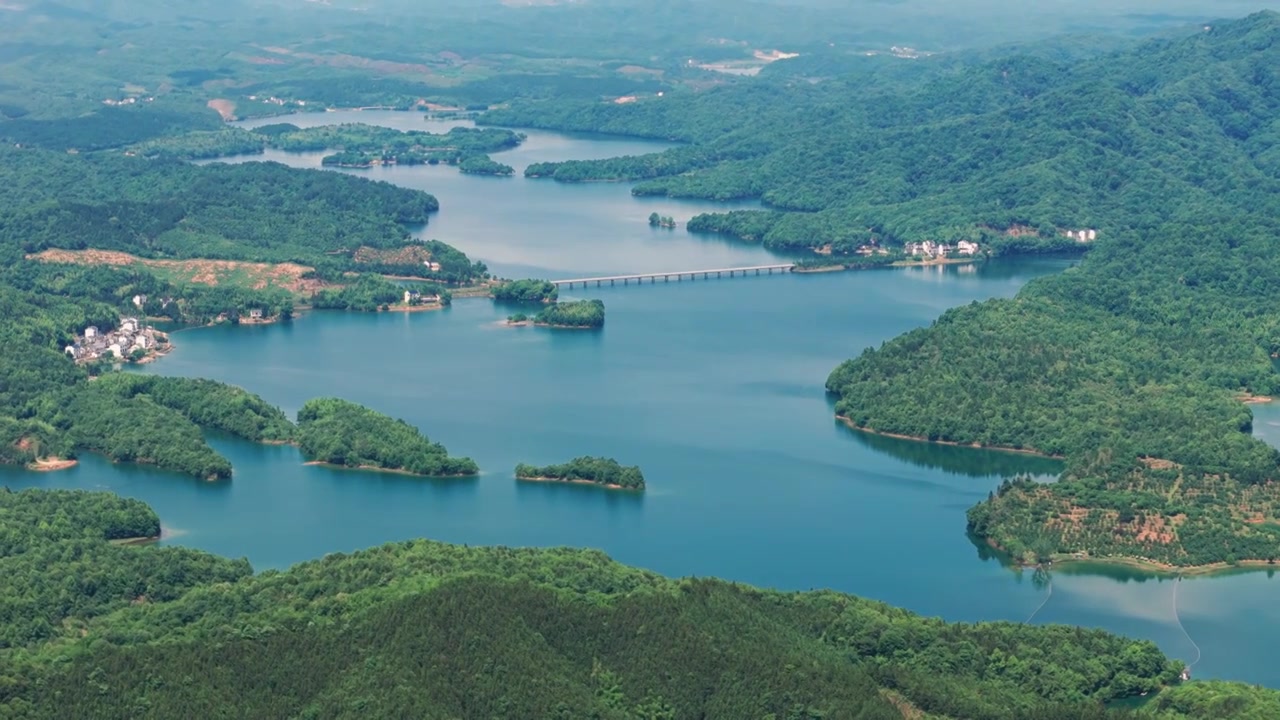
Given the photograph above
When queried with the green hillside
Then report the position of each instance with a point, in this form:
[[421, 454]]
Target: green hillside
[[424, 629]]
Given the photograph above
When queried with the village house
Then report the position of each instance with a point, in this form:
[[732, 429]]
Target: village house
[[139, 301], [131, 337], [432, 266], [965, 247], [1083, 236], [411, 297], [928, 248], [255, 314]]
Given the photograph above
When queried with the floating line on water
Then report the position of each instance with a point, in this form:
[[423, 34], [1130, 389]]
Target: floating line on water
[[1178, 620], [1042, 603]]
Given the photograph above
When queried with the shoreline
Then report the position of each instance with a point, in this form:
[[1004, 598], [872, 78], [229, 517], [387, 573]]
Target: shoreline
[[392, 471], [134, 541], [577, 481], [855, 266], [530, 323], [414, 308], [976, 446], [1159, 569], [1165, 569], [51, 464]]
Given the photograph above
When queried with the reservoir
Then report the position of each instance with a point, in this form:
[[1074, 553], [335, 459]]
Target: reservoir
[[715, 388]]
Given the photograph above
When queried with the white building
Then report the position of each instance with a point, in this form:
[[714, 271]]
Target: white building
[[129, 325], [140, 342], [964, 247], [91, 331], [114, 349]]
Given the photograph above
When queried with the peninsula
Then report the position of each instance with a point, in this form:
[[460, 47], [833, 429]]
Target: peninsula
[[605, 472]]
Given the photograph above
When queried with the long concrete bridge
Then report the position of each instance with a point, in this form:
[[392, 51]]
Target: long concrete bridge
[[679, 275]]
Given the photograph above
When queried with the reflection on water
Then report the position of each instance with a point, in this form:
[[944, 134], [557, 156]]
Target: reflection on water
[[974, 462]]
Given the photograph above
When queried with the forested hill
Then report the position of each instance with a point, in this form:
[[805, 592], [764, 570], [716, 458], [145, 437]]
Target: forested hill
[[423, 629], [1134, 364], [1176, 129]]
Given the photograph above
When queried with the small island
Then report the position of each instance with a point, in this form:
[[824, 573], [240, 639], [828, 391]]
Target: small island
[[578, 314], [338, 432], [664, 221], [605, 472]]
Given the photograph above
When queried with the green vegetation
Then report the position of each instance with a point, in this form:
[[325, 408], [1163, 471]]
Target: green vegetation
[[526, 291], [368, 293], [155, 420], [1011, 152], [338, 432], [358, 145], [202, 145], [61, 573], [846, 262], [207, 403], [601, 471], [170, 297], [388, 142], [1217, 699], [177, 632], [262, 212], [1132, 365], [483, 165], [666, 221], [574, 314]]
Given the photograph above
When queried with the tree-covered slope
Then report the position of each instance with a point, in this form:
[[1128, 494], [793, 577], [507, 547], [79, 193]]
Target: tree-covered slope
[[343, 433], [252, 211], [1167, 129], [60, 570], [424, 629], [1142, 353]]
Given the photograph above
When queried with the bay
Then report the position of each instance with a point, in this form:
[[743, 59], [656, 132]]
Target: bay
[[715, 388]]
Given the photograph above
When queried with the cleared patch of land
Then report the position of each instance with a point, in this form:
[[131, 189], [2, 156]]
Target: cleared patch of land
[[225, 108], [233, 273]]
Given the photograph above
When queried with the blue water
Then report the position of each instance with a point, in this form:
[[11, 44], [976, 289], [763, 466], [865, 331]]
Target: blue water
[[714, 387]]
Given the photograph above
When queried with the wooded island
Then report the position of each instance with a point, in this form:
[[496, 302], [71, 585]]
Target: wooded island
[[606, 472], [338, 432]]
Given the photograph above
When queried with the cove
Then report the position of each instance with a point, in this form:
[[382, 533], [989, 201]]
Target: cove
[[715, 388]]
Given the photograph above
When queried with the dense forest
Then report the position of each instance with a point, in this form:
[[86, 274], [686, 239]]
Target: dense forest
[[356, 145], [506, 632], [1133, 365], [526, 291], [343, 433], [572, 314], [1012, 152], [598, 470], [253, 211], [61, 571]]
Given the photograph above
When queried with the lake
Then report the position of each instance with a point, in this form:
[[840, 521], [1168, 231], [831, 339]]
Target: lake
[[715, 388]]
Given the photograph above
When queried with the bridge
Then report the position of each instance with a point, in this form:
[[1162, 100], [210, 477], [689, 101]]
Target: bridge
[[679, 275]]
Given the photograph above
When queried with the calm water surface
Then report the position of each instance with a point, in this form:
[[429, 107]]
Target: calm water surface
[[714, 387]]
